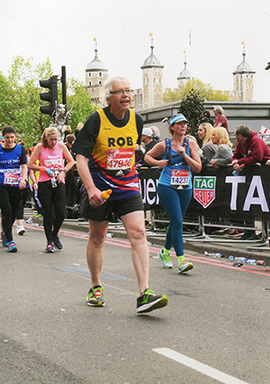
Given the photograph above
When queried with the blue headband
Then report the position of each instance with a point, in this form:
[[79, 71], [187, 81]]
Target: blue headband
[[177, 118]]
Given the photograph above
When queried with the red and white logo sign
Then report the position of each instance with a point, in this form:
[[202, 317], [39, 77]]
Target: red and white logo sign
[[204, 190]]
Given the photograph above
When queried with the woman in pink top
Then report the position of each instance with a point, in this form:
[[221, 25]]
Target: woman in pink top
[[51, 183]]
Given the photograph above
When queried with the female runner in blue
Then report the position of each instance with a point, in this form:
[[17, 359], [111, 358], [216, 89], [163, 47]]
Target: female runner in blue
[[180, 157]]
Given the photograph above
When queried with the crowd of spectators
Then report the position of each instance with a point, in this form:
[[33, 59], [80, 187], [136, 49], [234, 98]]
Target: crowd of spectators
[[215, 150]]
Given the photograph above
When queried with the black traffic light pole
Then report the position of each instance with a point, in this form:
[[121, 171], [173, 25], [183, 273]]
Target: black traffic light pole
[[64, 86], [51, 96]]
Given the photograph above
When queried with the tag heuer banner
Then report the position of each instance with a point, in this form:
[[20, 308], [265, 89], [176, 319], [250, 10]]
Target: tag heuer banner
[[217, 193], [204, 188]]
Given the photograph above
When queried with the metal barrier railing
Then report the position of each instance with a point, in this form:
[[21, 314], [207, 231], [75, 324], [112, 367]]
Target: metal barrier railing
[[202, 224], [196, 228]]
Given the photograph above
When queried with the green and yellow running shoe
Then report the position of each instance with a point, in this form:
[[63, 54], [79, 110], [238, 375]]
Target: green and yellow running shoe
[[184, 264], [165, 259], [95, 297], [148, 301]]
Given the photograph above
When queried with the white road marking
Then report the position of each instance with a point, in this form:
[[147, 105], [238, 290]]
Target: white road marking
[[200, 367]]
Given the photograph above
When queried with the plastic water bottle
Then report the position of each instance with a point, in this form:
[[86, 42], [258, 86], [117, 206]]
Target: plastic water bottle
[[215, 255], [251, 261], [54, 182], [241, 168], [109, 235], [241, 260], [106, 194], [231, 258], [149, 243]]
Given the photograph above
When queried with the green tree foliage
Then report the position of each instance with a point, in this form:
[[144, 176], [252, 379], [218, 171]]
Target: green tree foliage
[[206, 91], [19, 98], [82, 104], [192, 107], [20, 101]]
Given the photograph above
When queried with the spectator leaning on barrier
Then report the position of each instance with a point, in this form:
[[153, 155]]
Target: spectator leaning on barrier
[[208, 147], [223, 155], [250, 149], [220, 118]]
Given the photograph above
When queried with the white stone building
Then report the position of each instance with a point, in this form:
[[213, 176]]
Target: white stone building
[[152, 80], [96, 74], [243, 81]]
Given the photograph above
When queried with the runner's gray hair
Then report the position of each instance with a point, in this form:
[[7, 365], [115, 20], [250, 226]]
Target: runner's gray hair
[[109, 85]]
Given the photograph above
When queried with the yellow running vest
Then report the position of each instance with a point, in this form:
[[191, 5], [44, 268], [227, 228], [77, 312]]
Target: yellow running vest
[[115, 146]]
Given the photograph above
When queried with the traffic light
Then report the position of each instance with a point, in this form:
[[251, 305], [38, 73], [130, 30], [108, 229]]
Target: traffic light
[[51, 96]]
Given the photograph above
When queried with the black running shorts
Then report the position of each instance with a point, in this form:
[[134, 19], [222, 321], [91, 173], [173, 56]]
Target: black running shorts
[[111, 210]]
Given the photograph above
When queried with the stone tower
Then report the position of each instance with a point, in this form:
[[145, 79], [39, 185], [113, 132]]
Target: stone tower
[[152, 79], [96, 74], [184, 76], [243, 80]]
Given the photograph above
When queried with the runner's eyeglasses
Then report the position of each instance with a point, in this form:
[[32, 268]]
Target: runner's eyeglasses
[[121, 92]]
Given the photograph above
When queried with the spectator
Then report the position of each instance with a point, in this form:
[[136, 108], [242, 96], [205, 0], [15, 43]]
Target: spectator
[[68, 131], [223, 155], [149, 143], [105, 159], [180, 155], [220, 118], [208, 147], [250, 149], [78, 129], [69, 141], [156, 133], [208, 118]]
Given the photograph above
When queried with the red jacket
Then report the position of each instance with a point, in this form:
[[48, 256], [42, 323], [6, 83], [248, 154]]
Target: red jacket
[[255, 150]]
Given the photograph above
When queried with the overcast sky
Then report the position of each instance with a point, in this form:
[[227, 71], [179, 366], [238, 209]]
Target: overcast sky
[[64, 30]]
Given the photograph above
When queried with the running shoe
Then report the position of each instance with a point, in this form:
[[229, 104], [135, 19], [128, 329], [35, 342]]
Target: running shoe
[[165, 259], [49, 248], [57, 242], [184, 264], [236, 232], [12, 247], [20, 230], [4, 239], [95, 297], [148, 301]]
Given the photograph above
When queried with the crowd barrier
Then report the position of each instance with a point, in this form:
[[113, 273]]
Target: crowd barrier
[[219, 201]]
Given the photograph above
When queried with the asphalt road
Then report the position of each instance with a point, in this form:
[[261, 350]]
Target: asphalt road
[[215, 328]]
